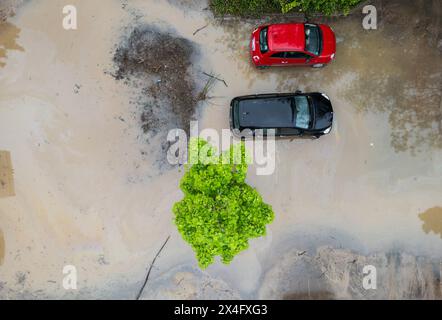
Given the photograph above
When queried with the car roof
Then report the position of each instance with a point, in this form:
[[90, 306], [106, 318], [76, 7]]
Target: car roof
[[274, 112], [286, 37]]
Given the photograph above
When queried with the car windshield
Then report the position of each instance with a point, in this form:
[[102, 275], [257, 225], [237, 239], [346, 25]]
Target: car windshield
[[263, 44], [302, 116], [312, 39]]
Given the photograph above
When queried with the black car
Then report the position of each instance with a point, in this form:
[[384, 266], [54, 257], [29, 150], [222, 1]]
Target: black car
[[289, 114]]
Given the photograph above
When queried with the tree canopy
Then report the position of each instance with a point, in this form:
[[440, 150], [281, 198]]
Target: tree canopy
[[219, 212]]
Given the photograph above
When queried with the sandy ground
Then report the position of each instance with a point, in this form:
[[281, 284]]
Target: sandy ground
[[89, 192]]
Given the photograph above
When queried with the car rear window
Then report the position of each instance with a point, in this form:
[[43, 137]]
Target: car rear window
[[313, 41], [263, 43], [303, 117]]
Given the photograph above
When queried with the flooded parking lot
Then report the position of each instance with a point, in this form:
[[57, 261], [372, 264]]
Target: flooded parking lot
[[88, 191]]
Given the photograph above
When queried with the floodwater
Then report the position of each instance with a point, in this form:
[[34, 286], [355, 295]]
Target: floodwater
[[87, 190]]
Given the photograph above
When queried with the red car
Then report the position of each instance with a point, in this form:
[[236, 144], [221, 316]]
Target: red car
[[293, 44]]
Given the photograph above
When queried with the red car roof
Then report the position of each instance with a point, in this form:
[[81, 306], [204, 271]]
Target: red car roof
[[286, 37]]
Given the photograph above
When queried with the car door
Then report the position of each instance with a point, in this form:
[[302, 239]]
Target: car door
[[278, 59], [298, 58], [289, 132]]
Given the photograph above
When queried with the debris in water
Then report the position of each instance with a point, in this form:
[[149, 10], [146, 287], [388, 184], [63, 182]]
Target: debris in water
[[148, 53], [199, 29], [158, 64]]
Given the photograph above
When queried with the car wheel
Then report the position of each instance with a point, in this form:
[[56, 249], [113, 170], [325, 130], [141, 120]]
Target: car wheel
[[318, 65]]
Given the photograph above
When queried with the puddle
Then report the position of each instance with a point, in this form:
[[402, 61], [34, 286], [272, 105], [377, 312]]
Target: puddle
[[2, 247], [432, 219], [8, 40]]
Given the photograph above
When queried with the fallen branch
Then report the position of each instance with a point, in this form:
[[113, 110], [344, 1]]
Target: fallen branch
[[150, 269], [301, 253], [203, 94], [212, 76], [199, 29]]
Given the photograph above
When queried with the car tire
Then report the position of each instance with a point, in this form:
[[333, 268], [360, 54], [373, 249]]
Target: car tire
[[318, 65]]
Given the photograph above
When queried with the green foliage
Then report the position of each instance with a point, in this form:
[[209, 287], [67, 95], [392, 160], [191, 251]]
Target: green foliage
[[245, 7], [219, 212], [327, 7], [260, 7]]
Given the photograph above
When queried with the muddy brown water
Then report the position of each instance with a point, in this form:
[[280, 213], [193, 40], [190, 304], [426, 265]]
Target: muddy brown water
[[85, 191], [395, 69], [432, 219]]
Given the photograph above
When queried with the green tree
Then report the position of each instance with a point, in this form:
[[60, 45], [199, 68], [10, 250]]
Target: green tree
[[219, 212]]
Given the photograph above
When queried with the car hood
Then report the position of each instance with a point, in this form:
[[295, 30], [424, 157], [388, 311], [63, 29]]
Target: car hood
[[323, 112], [329, 41]]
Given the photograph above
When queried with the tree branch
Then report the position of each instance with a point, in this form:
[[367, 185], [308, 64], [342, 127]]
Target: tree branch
[[214, 77], [150, 268]]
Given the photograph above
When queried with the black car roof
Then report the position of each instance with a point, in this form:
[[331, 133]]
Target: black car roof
[[271, 112]]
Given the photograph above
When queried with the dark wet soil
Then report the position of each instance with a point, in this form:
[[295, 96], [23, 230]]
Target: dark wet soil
[[159, 65]]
